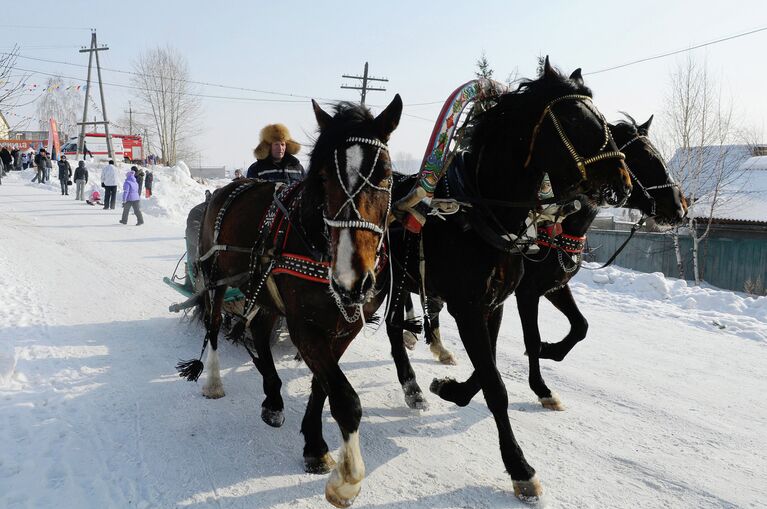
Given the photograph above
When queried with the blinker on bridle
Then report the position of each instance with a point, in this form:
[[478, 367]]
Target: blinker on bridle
[[360, 222], [580, 162]]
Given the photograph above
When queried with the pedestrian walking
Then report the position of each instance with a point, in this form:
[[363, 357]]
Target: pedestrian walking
[[109, 183], [39, 163], [48, 167], [81, 178], [65, 174], [131, 199], [24, 160]]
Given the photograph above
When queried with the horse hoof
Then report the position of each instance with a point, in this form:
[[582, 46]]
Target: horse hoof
[[528, 491], [409, 339], [215, 391], [322, 465], [340, 493], [274, 418], [552, 403], [447, 359], [416, 401]]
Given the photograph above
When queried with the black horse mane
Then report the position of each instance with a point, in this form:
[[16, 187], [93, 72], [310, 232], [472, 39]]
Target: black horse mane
[[347, 118], [527, 100], [628, 123]]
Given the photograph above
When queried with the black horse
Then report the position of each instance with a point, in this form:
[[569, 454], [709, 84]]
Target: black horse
[[314, 258], [548, 272], [473, 261]]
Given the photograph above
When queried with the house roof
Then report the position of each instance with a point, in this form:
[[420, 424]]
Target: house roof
[[744, 196]]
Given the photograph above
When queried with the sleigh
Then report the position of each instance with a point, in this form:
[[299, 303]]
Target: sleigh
[[188, 284]]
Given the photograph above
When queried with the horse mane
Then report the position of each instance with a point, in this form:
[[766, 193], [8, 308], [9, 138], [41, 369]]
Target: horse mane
[[526, 101], [347, 118]]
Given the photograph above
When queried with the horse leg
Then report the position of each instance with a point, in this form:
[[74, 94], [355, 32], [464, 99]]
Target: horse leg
[[563, 301], [317, 458], [461, 393], [472, 326], [409, 338], [405, 374], [433, 337], [527, 305], [321, 355], [272, 408], [213, 388]]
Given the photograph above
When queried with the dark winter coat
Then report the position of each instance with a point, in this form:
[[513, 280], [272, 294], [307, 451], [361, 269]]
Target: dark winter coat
[[288, 170], [148, 180], [41, 161], [65, 170], [6, 157], [139, 177], [81, 173]]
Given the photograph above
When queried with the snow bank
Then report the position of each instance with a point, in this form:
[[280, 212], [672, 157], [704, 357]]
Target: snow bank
[[7, 363], [174, 191], [705, 305]]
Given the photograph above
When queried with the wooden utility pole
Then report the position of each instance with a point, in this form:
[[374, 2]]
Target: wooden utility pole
[[364, 88], [94, 50]]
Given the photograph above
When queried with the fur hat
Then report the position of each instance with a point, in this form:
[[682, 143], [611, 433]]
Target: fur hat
[[272, 133]]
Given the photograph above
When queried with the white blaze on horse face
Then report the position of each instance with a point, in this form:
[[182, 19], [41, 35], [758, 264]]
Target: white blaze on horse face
[[344, 272], [354, 157]]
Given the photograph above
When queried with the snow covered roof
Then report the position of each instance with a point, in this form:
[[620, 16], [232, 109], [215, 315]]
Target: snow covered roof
[[744, 196]]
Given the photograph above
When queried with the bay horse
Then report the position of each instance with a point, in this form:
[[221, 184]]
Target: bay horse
[[473, 261], [313, 258], [548, 272]]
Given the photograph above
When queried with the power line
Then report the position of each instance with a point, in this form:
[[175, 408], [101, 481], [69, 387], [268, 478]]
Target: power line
[[195, 82], [676, 52], [205, 96], [46, 27]]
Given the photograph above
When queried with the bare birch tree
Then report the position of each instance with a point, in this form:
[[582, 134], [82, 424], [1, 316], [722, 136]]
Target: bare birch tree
[[700, 126], [162, 77], [63, 103]]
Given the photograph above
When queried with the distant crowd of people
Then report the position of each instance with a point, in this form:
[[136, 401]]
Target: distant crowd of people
[[275, 162], [137, 181]]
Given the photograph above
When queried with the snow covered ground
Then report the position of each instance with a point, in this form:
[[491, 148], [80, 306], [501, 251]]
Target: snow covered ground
[[665, 398]]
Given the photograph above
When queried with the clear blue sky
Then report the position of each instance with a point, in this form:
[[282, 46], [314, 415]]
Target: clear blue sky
[[425, 49]]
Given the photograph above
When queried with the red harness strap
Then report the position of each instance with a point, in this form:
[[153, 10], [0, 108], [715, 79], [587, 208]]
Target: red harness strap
[[552, 236]]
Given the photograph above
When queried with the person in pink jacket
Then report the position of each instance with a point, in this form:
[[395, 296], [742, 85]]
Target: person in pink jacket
[[131, 199]]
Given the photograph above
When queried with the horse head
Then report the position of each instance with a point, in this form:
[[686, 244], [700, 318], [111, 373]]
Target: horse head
[[654, 193], [571, 140], [351, 162]]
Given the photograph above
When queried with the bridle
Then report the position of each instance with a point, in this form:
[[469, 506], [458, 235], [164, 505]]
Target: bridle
[[360, 222], [645, 190], [581, 162]]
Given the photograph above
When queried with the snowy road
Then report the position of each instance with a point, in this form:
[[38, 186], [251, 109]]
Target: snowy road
[[664, 409]]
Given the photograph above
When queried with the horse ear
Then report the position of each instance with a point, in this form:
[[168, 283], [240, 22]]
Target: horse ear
[[576, 77], [388, 120], [548, 71], [645, 128], [323, 119]]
